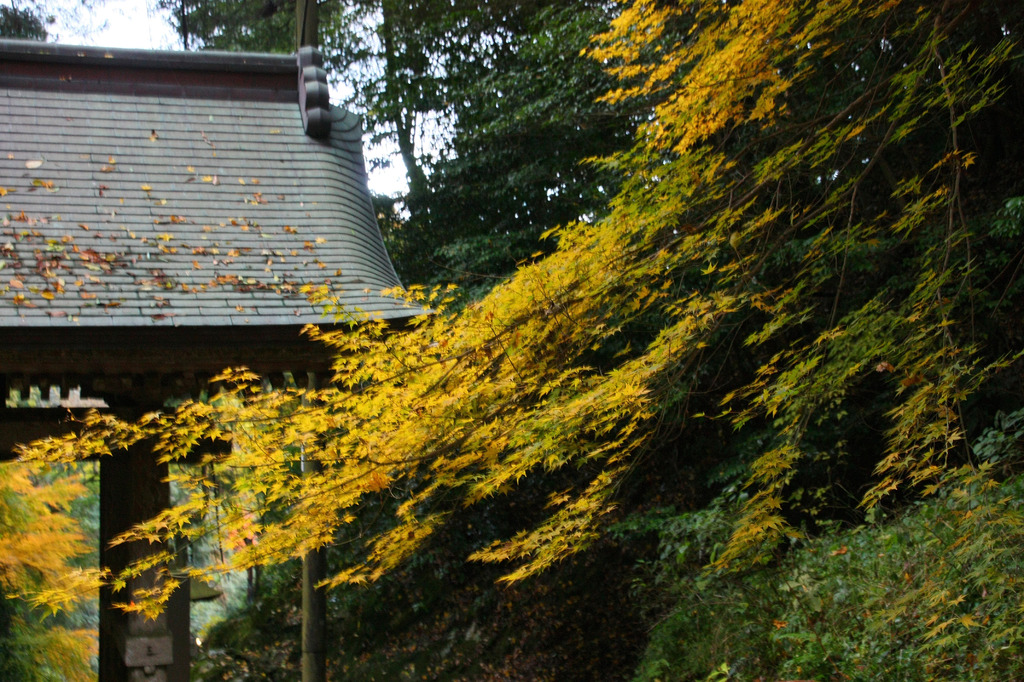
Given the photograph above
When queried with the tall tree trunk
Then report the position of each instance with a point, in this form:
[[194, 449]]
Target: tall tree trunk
[[403, 114], [183, 24], [307, 26]]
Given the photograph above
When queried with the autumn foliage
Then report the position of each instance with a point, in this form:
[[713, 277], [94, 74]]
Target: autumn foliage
[[800, 256], [39, 545]]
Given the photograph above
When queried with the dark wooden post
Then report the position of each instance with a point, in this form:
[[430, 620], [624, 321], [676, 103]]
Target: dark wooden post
[[314, 617], [314, 601], [133, 488]]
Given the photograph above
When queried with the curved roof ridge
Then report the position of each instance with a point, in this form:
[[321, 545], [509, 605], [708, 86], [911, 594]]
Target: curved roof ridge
[[203, 60]]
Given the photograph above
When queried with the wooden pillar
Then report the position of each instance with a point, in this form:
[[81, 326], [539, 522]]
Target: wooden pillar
[[314, 618], [314, 609], [133, 488], [179, 616]]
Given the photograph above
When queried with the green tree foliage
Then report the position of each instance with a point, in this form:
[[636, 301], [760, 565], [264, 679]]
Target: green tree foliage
[[932, 592], [22, 20], [443, 619], [807, 282], [247, 26], [493, 110]]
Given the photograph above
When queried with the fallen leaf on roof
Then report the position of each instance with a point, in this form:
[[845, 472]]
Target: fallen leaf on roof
[[48, 184], [84, 226], [153, 137], [4, 191], [56, 313], [48, 295], [190, 169], [31, 164], [275, 131], [17, 283], [106, 169], [146, 188], [86, 295], [241, 181]]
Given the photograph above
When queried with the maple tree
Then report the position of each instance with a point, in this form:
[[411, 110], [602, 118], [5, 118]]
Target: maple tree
[[793, 244], [39, 544]]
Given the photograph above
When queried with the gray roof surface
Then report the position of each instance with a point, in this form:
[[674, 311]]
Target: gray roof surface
[[187, 205]]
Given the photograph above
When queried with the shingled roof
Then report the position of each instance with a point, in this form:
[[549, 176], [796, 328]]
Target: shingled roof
[[155, 189]]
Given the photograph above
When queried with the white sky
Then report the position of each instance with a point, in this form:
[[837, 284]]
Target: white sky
[[139, 24], [117, 23]]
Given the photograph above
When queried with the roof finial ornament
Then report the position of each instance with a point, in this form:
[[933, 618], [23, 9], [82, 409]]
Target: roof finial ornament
[[314, 95]]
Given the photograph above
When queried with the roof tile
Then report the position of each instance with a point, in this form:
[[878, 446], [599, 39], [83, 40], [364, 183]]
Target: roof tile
[[192, 206]]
